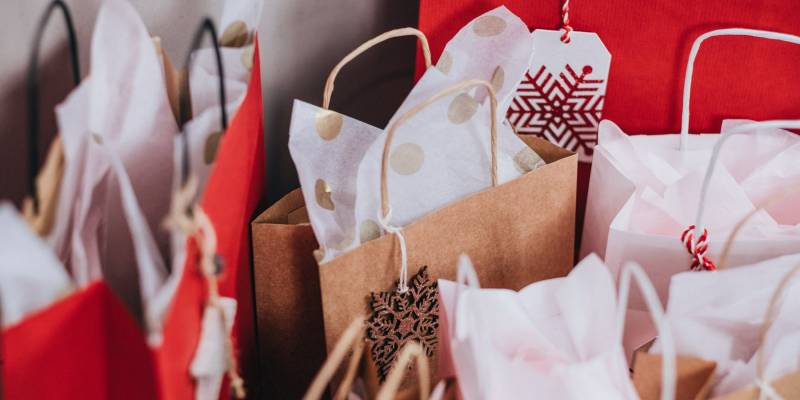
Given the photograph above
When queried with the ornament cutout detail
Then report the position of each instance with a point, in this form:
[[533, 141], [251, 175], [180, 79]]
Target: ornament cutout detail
[[398, 318], [561, 97]]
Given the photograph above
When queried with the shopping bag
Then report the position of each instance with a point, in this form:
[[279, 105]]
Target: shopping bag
[[498, 231], [560, 338], [284, 245], [231, 193], [645, 191], [289, 308], [740, 323]]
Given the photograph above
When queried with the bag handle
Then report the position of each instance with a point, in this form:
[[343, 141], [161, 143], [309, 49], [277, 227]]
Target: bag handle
[[350, 341], [32, 88], [687, 80], [395, 33], [419, 107], [766, 390], [633, 271], [410, 352], [185, 106], [466, 276], [698, 247]]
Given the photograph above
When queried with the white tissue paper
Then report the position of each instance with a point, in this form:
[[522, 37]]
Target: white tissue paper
[[31, 276], [439, 156]]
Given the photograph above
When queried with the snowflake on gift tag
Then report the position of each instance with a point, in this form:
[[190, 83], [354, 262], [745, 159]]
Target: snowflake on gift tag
[[564, 109], [398, 318]]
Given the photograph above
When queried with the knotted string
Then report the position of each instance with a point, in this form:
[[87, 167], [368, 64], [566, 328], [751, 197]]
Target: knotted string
[[766, 391], [565, 26], [697, 249], [197, 225], [385, 222]]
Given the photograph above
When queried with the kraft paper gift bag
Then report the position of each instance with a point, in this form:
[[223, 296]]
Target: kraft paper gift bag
[[289, 308], [559, 338], [331, 151], [644, 193], [285, 270], [741, 323], [381, 275]]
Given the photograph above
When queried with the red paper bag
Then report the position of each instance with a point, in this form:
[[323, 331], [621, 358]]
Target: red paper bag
[[232, 192], [87, 345]]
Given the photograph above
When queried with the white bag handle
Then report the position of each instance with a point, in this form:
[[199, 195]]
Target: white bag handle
[[712, 162], [668, 369], [687, 81], [466, 276]]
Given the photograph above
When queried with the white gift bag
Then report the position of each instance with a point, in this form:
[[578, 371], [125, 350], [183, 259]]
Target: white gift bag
[[560, 338], [644, 193], [31, 276]]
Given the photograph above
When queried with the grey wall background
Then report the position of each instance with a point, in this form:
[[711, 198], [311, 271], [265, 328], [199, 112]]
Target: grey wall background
[[301, 40]]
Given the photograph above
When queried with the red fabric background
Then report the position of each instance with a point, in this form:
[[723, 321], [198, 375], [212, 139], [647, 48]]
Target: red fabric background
[[649, 41]]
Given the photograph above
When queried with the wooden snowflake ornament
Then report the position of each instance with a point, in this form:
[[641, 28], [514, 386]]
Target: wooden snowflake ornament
[[397, 318]]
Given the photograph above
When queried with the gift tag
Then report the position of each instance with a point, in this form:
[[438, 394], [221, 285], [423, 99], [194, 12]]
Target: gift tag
[[561, 96]]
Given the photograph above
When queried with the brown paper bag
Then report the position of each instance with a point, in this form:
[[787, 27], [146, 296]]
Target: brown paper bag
[[523, 229], [694, 377], [288, 304]]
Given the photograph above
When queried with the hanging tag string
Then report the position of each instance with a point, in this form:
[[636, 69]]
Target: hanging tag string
[[565, 26], [197, 225], [385, 221]]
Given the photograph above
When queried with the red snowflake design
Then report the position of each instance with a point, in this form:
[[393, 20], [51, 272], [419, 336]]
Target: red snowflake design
[[565, 110]]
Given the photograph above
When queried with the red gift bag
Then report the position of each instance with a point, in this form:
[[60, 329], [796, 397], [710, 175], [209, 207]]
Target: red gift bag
[[230, 198], [648, 42], [86, 346]]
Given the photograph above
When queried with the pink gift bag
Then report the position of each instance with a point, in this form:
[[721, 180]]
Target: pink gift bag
[[559, 338], [644, 194]]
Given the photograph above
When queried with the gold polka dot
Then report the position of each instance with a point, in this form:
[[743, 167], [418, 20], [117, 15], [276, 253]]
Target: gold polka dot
[[235, 35], [97, 138], [212, 144], [247, 56], [345, 242], [407, 158], [323, 194], [489, 25], [462, 108], [329, 124], [445, 62], [369, 230], [527, 160], [497, 78]]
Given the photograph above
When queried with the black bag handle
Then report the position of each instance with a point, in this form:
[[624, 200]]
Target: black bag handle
[[32, 88], [184, 112]]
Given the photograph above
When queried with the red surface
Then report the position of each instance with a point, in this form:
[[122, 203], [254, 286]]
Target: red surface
[[649, 41], [87, 346]]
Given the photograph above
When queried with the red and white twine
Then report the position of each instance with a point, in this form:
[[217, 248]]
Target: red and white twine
[[565, 26], [697, 249]]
